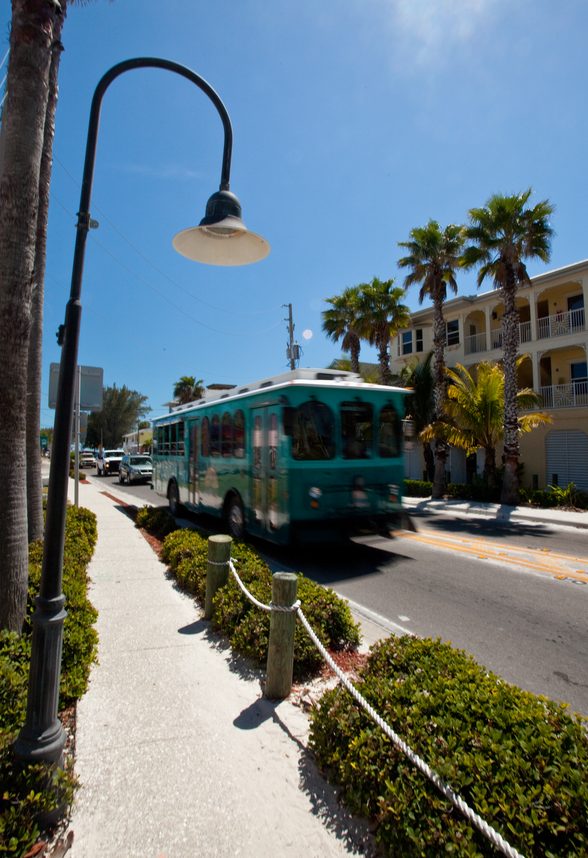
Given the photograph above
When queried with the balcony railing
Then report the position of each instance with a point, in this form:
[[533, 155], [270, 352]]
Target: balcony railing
[[475, 343], [561, 324], [565, 395], [524, 335]]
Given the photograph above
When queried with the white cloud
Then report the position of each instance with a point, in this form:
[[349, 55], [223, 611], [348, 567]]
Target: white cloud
[[426, 32], [161, 171]]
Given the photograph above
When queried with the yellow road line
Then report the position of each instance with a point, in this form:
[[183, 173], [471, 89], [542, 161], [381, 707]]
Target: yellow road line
[[570, 558], [492, 554]]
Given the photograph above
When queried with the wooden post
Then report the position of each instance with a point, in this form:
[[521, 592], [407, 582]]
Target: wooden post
[[217, 569], [280, 656]]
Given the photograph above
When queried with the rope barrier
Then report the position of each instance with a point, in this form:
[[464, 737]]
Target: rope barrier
[[283, 609], [475, 819]]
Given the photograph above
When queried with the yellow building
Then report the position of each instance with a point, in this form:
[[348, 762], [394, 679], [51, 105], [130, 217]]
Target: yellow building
[[554, 339]]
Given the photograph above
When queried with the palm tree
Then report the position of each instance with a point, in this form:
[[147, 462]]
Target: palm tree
[[368, 372], [187, 389], [381, 315], [420, 404], [340, 323], [475, 412], [502, 234], [21, 147], [433, 257], [35, 518]]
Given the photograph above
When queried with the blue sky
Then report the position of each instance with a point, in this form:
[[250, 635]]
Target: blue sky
[[354, 121]]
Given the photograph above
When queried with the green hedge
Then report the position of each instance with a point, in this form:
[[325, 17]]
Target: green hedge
[[518, 759], [418, 488], [157, 520], [553, 496], [246, 626], [23, 791]]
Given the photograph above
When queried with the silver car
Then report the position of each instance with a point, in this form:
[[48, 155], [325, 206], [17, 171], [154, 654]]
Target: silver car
[[135, 468]]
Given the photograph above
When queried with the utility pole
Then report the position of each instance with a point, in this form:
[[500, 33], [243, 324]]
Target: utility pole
[[292, 348]]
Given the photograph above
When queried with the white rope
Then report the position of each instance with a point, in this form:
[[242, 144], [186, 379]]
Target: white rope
[[490, 833], [420, 764], [281, 609]]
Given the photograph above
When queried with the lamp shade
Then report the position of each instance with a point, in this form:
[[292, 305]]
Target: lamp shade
[[221, 237]]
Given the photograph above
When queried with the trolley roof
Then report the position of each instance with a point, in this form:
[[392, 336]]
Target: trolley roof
[[328, 378]]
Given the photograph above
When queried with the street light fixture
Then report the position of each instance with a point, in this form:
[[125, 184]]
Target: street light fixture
[[220, 239]]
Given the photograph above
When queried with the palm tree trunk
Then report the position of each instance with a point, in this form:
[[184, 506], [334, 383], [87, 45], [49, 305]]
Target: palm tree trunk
[[510, 343], [23, 124], [429, 460], [490, 467], [34, 478], [441, 450], [354, 351], [384, 360]]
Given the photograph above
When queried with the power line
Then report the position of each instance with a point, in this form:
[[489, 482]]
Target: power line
[[150, 262], [162, 294]]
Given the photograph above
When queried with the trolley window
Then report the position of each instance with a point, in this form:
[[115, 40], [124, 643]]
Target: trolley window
[[215, 436], [390, 431], [313, 432], [239, 434], [357, 429]]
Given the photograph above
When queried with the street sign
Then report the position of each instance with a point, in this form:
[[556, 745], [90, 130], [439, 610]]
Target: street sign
[[91, 382], [44, 442]]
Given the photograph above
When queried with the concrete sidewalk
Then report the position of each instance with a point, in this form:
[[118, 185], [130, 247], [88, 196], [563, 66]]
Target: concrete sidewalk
[[498, 512], [177, 752]]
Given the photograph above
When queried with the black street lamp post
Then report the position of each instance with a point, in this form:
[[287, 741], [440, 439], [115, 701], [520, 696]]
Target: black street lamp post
[[220, 239]]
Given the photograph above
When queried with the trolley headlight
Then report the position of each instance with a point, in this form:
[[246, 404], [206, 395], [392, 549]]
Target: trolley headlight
[[393, 493], [315, 495]]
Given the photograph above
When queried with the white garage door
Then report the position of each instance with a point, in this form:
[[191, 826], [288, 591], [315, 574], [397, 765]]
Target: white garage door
[[567, 458]]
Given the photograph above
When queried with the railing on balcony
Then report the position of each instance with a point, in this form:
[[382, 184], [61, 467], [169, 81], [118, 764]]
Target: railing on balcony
[[525, 332], [565, 395], [475, 343], [561, 324], [524, 335]]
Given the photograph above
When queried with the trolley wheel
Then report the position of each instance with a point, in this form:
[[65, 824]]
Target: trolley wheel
[[235, 517], [173, 496]]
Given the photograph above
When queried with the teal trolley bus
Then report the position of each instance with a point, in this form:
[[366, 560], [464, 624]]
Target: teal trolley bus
[[307, 455]]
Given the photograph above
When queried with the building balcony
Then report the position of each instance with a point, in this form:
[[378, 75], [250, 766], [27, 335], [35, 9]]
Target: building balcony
[[475, 343], [571, 395], [524, 335], [561, 324]]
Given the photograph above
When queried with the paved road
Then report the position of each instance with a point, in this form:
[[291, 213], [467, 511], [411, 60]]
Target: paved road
[[517, 613], [515, 596]]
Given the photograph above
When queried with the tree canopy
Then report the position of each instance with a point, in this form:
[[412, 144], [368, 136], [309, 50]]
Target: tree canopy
[[341, 322], [474, 412], [188, 389], [122, 410]]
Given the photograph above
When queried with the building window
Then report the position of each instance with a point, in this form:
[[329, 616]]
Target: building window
[[452, 333], [407, 342], [419, 339]]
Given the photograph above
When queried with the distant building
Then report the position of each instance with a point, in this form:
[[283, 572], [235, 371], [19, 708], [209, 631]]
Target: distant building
[[553, 336], [138, 441]]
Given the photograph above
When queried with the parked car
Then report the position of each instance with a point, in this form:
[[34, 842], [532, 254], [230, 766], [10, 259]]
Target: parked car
[[135, 468], [87, 459], [108, 462]]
